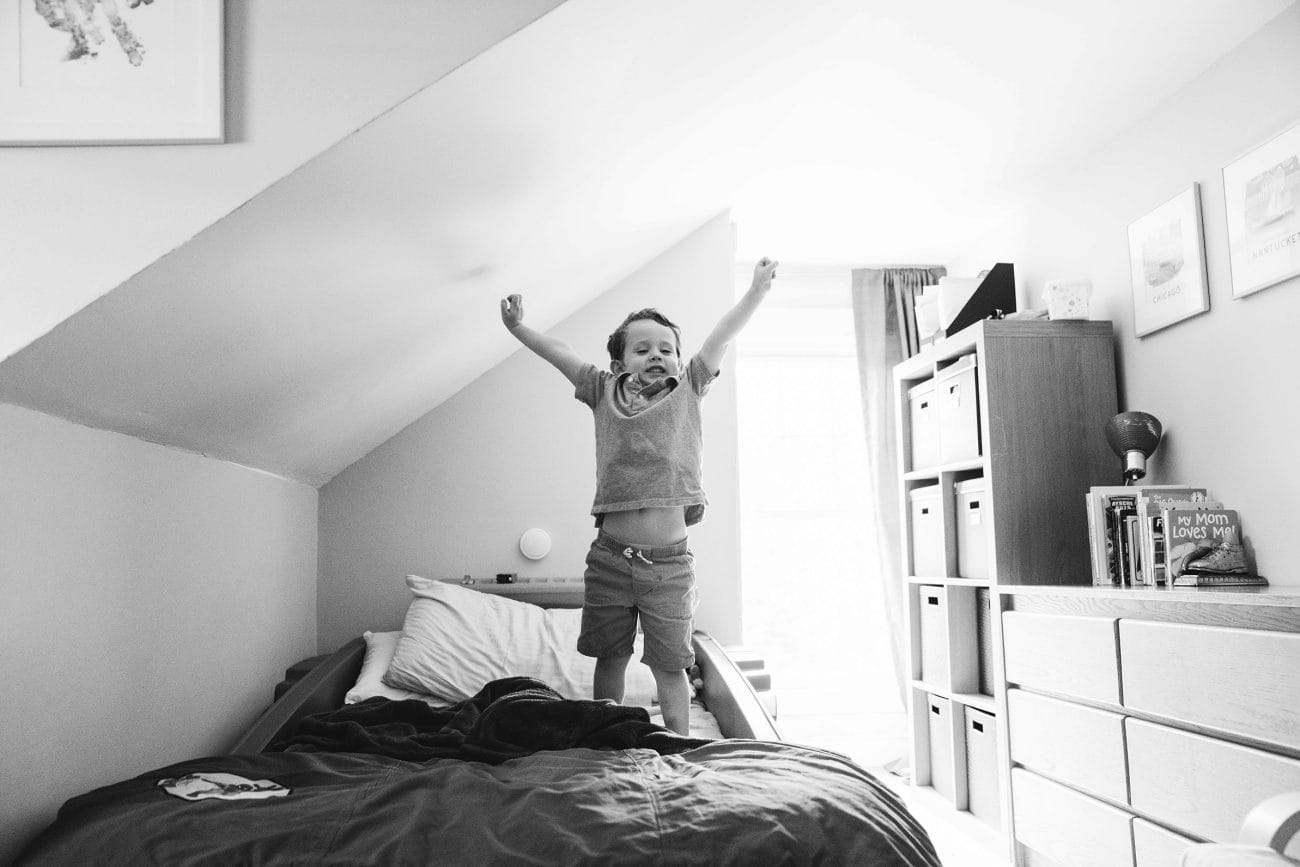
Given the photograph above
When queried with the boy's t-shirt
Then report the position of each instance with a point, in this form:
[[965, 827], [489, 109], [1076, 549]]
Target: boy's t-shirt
[[649, 443]]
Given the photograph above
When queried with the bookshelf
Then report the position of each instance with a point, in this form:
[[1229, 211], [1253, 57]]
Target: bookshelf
[[1000, 432]]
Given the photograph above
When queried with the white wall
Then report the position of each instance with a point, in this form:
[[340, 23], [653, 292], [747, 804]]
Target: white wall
[[151, 600], [451, 494], [300, 76], [1223, 383]]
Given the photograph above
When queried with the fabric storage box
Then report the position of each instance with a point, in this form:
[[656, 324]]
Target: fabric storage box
[[982, 766], [935, 666], [924, 425], [956, 392], [939, 712], [984, 635], [972, 529], [929, 556]]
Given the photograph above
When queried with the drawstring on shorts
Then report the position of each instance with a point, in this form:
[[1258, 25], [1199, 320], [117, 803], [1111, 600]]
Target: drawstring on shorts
[[629, 551]]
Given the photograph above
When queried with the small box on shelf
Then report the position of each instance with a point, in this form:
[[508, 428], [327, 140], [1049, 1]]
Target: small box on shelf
[[957, 392], [939, 713], [923, 422], [929, 551], [982, 766], [972, 529]]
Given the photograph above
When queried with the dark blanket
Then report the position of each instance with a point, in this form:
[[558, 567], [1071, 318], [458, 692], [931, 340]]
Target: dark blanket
[[507, 719], [382, 783]]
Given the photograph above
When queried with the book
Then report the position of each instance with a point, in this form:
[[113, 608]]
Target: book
[[1106, 569], [1132, 552], [1150, 502], [1203, 541], [1239, 579]]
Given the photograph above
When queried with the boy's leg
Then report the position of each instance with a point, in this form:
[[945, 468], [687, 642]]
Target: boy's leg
[[674, 699], [609, 678]]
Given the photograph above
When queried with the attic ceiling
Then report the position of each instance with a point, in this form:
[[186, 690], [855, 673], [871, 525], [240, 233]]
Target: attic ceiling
[[355, 295]]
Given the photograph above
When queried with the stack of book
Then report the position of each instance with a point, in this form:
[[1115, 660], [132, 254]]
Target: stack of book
[[1165, 536]]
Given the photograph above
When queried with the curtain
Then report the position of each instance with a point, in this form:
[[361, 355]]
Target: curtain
[[885, 325]]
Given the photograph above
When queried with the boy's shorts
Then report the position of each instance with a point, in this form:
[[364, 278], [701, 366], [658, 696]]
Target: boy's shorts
[[623, 582]]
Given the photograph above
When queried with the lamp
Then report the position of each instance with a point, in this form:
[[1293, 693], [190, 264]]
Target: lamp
[[535, 543], [1134, 436]]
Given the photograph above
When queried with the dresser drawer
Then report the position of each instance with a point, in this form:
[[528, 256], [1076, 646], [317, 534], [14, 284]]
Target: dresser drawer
[[1067, 827], [1243, 681], [1076, 656], [1068, 742], [1154, 846], [1199, 784]]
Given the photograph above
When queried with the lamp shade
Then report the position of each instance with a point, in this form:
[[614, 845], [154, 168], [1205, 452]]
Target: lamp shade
[[1133, 436], [535, 543]]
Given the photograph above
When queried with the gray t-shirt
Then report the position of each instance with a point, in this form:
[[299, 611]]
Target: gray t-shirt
[[648, 450]]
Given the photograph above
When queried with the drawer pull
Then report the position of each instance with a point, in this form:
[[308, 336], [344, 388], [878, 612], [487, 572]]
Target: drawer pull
[[978, 726], [934, 709]]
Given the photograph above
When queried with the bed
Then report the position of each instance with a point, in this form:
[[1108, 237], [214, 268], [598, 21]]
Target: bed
[[466, 738]]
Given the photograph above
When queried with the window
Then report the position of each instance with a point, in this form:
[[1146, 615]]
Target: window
[[811, 597]]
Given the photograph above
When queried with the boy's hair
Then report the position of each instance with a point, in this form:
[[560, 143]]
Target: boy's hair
[[618, 340]]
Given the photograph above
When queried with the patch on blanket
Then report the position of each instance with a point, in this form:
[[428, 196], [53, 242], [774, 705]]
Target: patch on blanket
[[227, 787]]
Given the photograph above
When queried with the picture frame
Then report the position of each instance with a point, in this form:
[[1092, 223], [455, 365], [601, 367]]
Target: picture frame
[[1167, 263], [1261, 192], [88, 72]]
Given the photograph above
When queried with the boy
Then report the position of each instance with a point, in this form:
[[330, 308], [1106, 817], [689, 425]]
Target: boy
[[648, 491]]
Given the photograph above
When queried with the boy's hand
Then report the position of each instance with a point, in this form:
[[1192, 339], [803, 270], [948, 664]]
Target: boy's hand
[[512, 311], [764, 271]]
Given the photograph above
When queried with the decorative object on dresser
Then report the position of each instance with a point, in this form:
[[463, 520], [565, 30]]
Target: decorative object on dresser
[[1167, 261], [988, 442], [1261, 191], [1144, 722], [1067, 299], [1134, 436]]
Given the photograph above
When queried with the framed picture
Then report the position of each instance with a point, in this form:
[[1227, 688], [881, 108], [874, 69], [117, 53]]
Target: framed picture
[[1166, 250], [1261, 192], [80, 72]]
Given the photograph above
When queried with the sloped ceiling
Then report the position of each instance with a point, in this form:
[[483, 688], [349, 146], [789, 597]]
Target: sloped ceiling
[[300, 75], [355, 295]]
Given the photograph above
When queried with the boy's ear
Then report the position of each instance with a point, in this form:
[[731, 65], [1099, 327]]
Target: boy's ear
[[616, 366]]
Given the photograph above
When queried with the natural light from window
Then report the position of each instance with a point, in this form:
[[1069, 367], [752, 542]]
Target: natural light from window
[[811, 601]]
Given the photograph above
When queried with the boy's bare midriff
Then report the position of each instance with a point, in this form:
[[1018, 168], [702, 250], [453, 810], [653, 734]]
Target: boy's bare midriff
[[650, 528]]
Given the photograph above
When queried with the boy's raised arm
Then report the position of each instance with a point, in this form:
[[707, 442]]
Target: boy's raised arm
[[737, 317], [554, 350]]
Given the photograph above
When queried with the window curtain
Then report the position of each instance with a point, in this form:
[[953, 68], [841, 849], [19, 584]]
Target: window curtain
[[885, 326]]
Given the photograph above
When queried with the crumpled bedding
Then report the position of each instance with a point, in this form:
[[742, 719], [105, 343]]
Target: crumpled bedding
[[515, 775]]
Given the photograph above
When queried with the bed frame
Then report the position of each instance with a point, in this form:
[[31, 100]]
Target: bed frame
[[319, 684]]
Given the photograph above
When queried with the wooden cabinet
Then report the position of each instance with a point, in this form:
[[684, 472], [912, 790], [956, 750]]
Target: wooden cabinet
[[1184, 719], [1001, 433]]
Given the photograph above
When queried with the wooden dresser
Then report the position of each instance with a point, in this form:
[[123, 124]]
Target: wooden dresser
[[1140, 721]]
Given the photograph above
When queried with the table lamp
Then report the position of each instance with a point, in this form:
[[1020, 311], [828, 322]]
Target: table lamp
[[1134, 436]]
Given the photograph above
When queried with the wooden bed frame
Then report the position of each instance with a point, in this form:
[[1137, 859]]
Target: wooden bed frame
[[320, 683]]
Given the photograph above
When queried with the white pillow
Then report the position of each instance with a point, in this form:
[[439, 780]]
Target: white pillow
[[456, 639], [379, 653]]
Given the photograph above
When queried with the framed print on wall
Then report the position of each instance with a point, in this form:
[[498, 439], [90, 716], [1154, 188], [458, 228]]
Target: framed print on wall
[[1166, 251], [80, 72], [1261, 191]]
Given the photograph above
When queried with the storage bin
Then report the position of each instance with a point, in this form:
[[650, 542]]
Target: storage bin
[[924, 425], [972, 529], [939, 712], [935, 665], [984, 635], [982, 766], [956, 391], [929, 555]]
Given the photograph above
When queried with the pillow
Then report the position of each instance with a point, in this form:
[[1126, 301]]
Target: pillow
[[455, 640], [379, 652]]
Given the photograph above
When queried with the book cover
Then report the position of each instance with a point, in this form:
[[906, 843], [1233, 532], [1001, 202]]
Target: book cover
[[1203, 541], [1150, 503], [1132, 552]]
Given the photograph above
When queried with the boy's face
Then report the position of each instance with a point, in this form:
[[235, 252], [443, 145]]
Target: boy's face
[[649, 353]]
